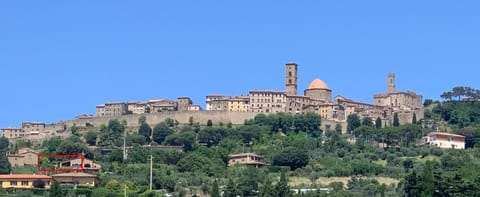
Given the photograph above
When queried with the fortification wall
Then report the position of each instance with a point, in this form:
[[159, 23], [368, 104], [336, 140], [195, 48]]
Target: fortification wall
[[181, 116]]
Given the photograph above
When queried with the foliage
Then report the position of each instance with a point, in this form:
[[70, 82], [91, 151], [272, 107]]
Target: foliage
[[146, 131], [187, 139], [215, 190], [291, 157], [5, 166], [91, 138], [160, 132], [55, 190], [111, 135], [282, 189], [353, 122], [4, 143]]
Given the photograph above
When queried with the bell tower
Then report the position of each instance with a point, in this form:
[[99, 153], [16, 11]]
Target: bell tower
[[291, 79], [391, 83]]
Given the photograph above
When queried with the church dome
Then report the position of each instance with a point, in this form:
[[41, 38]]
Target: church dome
[[317, 84]]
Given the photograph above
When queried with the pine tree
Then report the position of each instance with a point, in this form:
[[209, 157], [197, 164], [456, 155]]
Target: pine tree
[[282, 189], [215, 190], [396, 122], [5, 167]]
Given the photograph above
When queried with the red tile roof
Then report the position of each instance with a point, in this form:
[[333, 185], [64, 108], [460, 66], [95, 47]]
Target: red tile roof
[[24, 176]]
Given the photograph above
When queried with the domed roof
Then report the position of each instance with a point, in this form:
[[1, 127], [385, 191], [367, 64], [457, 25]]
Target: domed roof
[[317, 84]]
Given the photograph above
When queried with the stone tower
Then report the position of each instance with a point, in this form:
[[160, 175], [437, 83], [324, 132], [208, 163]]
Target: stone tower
[[391, 83], [291, 79]]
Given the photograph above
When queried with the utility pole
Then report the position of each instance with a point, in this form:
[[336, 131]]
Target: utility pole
[[124, 148], [151, 165]]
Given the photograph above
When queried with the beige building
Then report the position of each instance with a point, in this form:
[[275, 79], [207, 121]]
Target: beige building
[[33, 128], [217, 102], [13, 133], [24, 156], [23, 180], [111, 109], [76, 178], [136, 107], [246, 159], [397, 100], [240, 103], [88, 164], [194, 108], [267, 101], [160, 105], [184, 103], [444, 140]]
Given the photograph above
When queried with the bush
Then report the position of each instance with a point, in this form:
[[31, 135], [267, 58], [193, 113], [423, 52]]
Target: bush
[[436, 151]]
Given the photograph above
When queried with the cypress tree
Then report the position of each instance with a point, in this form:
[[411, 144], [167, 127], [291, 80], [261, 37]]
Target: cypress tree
[[230, 190], [378, 123], [414, 119], [282, 188], [55, 190], [215, 190], [5, 167], [396, 122]]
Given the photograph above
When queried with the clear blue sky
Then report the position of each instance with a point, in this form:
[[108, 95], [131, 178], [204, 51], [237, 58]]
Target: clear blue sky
[[59, 59]]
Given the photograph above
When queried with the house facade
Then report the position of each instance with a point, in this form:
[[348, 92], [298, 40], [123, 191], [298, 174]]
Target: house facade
[[246, 159], [24, 180], [444, 140], [24, 156]]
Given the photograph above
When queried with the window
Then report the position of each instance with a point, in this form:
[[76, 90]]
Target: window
[[289, 81], [13, 183], [24, 183], [290, 74]]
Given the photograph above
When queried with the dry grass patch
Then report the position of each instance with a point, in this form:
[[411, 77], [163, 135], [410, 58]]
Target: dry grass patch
[[295, 181]]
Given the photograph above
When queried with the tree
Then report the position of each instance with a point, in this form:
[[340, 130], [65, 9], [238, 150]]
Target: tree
[[291, 157], [142, 119], [353, 122], [211, 135], [5, 167], [74, 130], [160, 132], [146, 131], [111, 135], [414, 119], [267, 189], [91, 138], [55, 190], [215, 191], [378, 123], [396, 122], [338, 128], [38, 183], [209, 123], [230, 189], [4, 143], [427, 182], [367, 121], [427, 102], [282, 188]]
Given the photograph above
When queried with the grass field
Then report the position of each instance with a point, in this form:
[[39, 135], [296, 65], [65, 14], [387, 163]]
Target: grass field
[[296, 181]]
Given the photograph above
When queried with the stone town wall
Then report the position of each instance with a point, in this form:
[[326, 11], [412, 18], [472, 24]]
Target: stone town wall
[[181, 116]]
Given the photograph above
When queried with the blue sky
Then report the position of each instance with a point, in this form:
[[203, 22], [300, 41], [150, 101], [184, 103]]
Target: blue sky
[[59, 59]]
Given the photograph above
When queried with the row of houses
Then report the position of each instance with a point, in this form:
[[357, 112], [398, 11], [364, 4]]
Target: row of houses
[[150, 106]]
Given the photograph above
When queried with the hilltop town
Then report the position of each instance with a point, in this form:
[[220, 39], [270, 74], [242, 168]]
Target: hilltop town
[[263, 143], [316, 98]]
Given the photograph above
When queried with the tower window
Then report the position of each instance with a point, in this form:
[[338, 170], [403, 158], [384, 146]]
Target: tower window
[[289, 74], [290, 81]]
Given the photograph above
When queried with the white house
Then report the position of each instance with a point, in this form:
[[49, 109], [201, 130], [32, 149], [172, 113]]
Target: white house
[[444, 140]]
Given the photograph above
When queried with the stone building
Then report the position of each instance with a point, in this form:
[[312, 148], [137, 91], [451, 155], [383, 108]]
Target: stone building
[[267, 101], [184, 103], [398, 100], [319, 90], [217, 102], [111, 109], [239, 103], [12, 133], [23, 156], [136, 107]]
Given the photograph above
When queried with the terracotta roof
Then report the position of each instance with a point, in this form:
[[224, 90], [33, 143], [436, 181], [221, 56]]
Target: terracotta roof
[[244, 155], [73, 174], [317, 84], [445, 133], [24, 176]]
